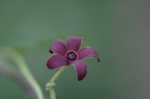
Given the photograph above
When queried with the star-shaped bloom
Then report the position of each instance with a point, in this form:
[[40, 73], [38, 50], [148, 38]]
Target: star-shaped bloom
[[70, 52]]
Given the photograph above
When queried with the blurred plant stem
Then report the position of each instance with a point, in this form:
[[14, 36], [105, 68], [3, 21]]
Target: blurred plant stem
[[18, 59], [51, 84], [21, 80]]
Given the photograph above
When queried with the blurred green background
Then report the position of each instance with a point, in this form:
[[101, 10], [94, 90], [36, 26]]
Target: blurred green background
[[113, 27]]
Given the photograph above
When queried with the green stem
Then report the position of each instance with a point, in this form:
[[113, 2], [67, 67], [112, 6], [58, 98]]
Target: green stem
[[51, 84], [52, 93], [20, 79], [23, 68]]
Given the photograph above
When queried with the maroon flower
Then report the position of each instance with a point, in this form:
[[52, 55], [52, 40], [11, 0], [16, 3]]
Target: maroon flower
[[70, 53]]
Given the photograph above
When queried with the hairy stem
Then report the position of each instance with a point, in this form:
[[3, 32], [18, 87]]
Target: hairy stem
[[51, 84]]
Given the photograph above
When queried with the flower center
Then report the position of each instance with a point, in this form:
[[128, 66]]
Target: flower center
[[71, 56]]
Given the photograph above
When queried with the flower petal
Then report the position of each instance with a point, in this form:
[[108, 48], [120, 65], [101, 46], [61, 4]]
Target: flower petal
[[88, 52], [80, 68], [58, 47], [56, 61], [74, 43]]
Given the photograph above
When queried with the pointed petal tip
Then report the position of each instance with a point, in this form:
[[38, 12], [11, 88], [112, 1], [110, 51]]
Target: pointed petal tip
[[80, 78], [98, 59], [58, 47], [50, 50], [48, 65], [89, 52], [81, 69]]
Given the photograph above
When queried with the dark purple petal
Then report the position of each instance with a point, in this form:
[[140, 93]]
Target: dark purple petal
[[58, 47], [80, 68], [74, 43], [56, 61], [87, 53]]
